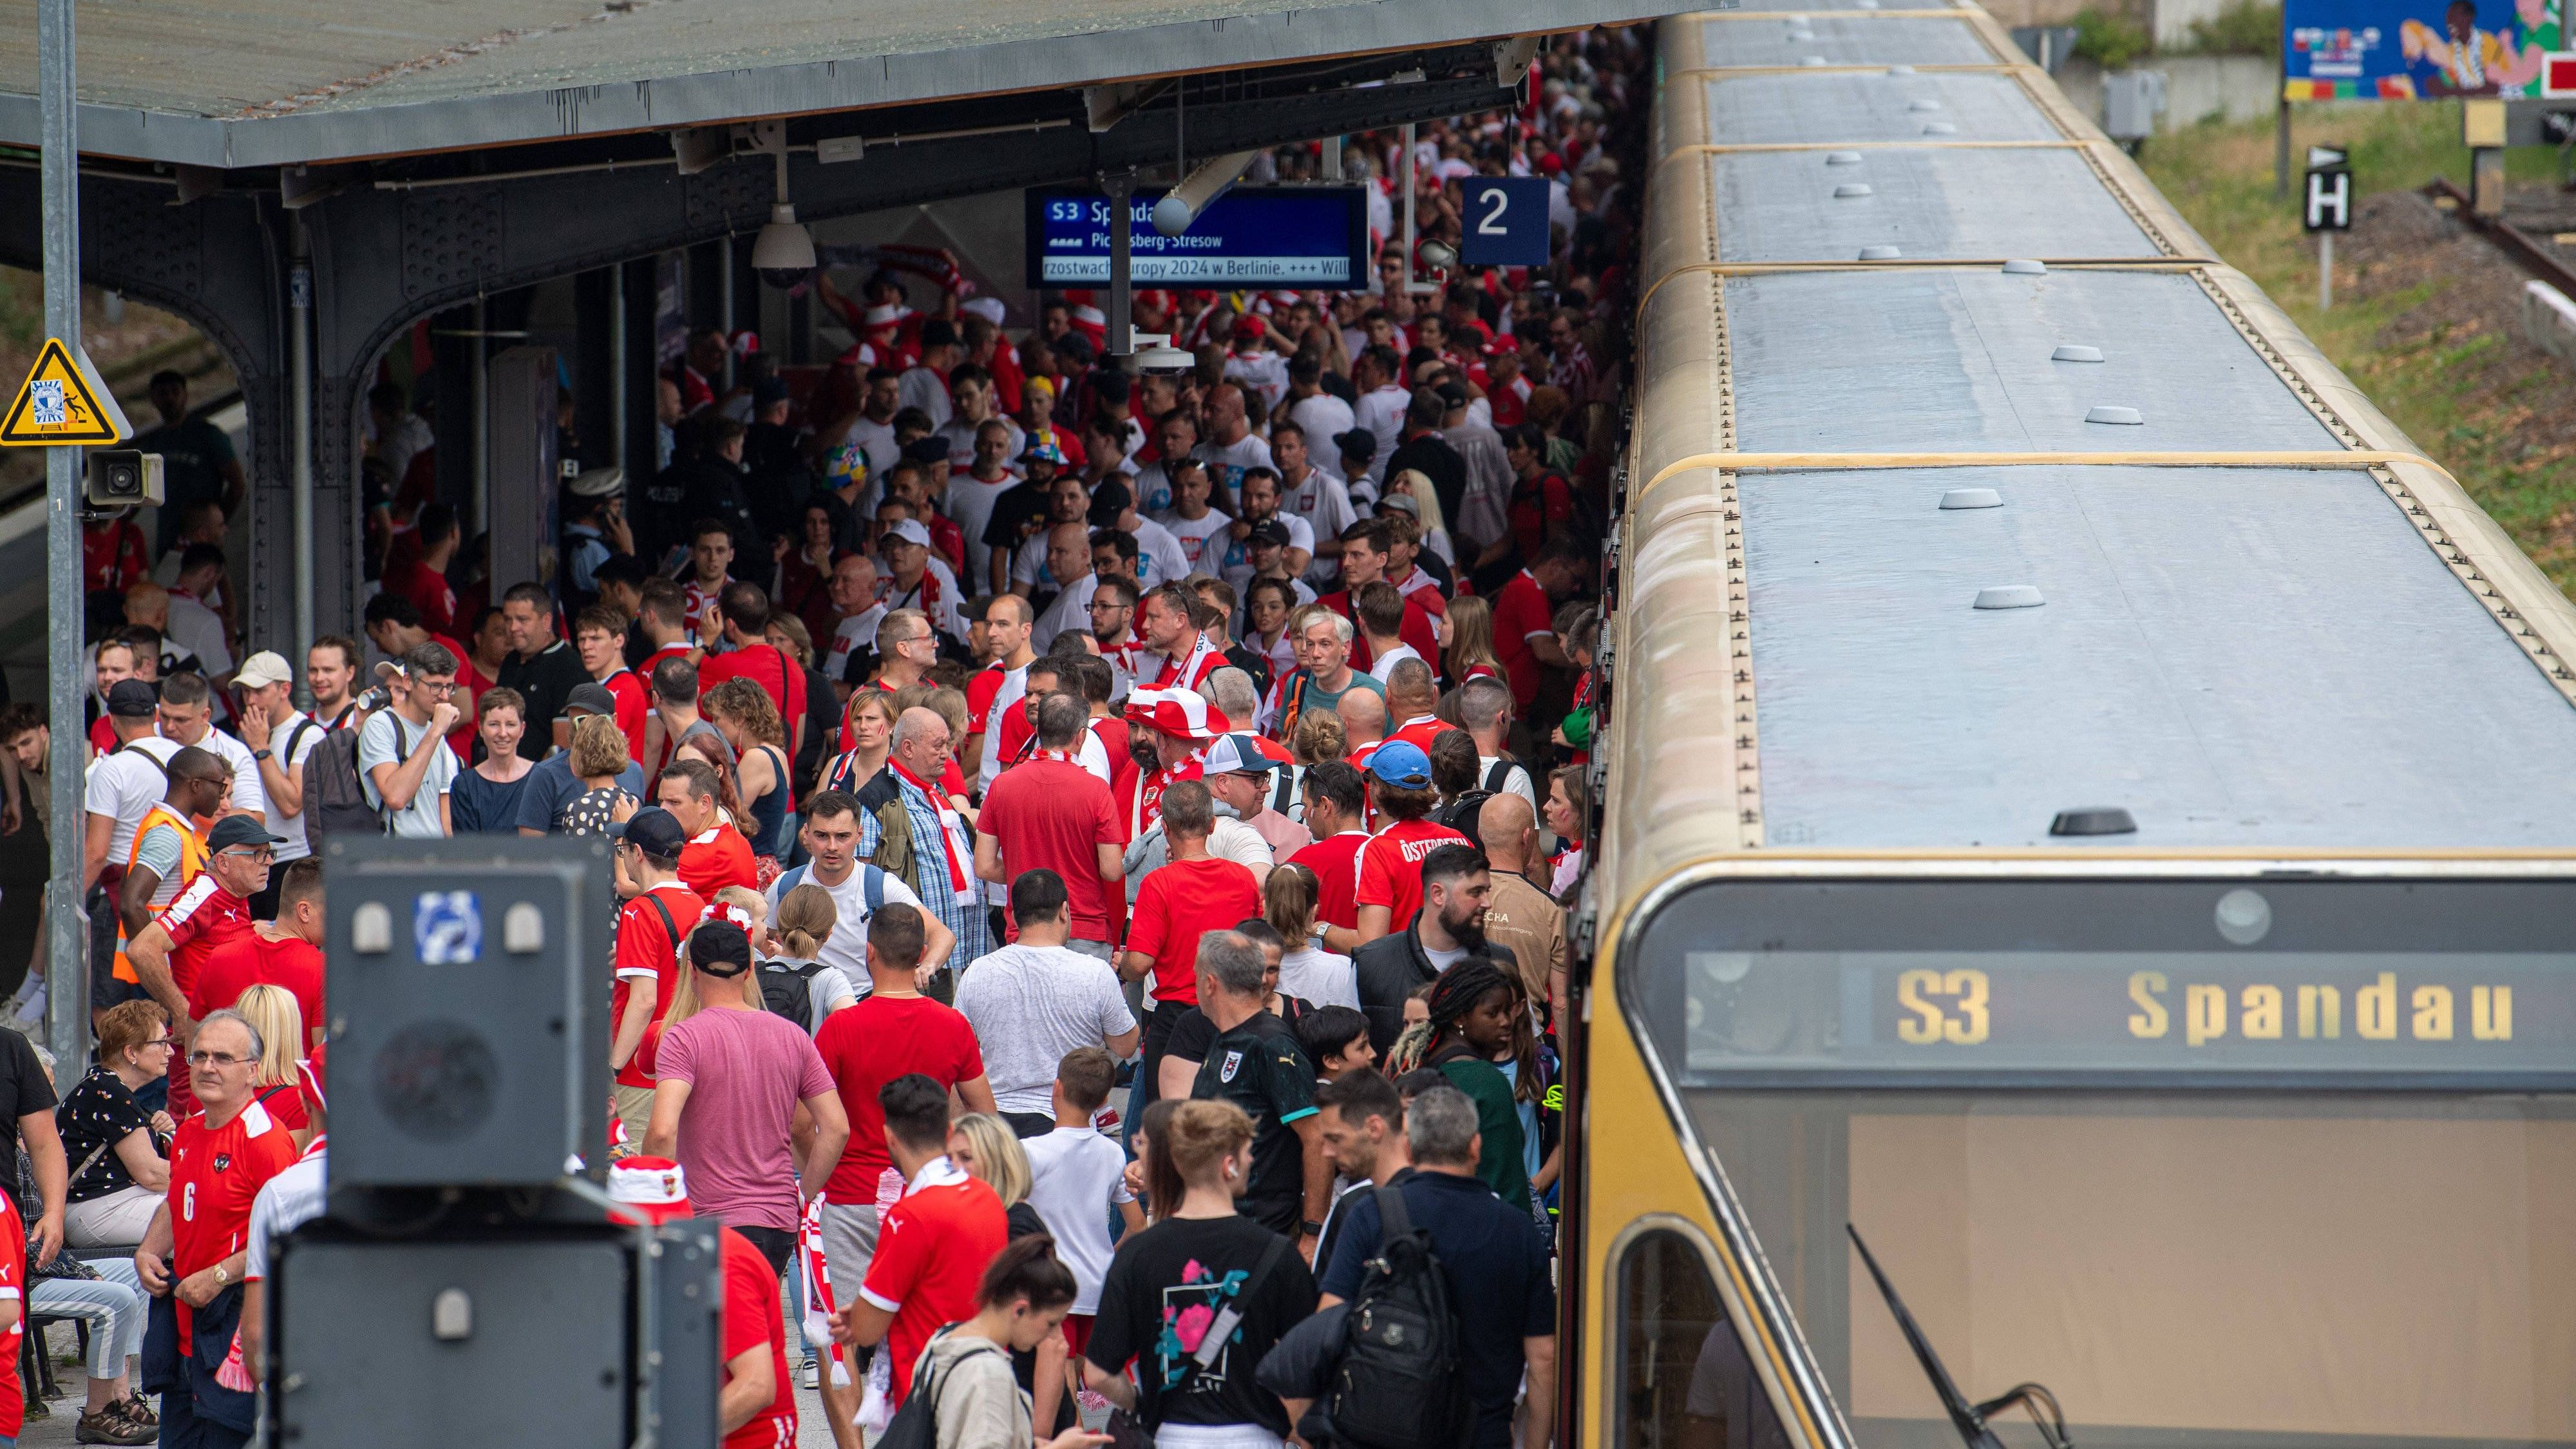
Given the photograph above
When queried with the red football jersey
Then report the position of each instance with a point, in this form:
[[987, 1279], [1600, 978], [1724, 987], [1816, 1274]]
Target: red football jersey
[[1391, 867], [215, 1172], [646, 949], [751, 1318], [716, 859], [930, 1259], [251, 959], [203, 918]]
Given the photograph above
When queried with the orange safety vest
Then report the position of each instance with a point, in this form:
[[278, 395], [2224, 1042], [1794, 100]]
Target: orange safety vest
[[192, 862]]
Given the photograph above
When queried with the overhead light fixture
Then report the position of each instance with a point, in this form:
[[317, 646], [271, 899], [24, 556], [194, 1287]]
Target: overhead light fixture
[[784, 252], [1185, 203]]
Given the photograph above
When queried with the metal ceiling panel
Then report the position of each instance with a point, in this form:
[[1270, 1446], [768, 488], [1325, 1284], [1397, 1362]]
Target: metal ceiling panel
[[1844, 40], [1831, 106], [1786, 206]]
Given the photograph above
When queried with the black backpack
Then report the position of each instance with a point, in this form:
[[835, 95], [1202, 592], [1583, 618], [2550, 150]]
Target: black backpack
[[1400, 1383], [788, 991], [1461, 814], [335, 802]]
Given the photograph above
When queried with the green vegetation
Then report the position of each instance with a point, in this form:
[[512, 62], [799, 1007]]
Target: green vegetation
[[22, 308], [2110, 41], [2244, 27], [2496, 430]]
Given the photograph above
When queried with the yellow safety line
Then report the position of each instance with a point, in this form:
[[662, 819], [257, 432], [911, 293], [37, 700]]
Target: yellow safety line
[[1929, 264], [1739, 462]]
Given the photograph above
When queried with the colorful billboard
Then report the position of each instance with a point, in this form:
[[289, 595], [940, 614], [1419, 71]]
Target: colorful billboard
[[2403, 50]]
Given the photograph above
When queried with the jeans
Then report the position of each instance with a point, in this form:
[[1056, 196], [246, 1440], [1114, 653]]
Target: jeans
[[114, 1308]]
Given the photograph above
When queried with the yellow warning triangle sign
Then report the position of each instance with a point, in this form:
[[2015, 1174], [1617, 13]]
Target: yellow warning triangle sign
[[63, 403]]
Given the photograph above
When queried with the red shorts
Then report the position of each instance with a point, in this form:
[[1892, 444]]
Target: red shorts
[[1077, 1335]]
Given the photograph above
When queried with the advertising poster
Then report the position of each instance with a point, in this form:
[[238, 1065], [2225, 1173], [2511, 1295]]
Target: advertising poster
[[2404, 50]]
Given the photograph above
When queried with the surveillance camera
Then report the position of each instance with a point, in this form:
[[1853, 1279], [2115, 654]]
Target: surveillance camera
[[784, 252], [123, 478], [1153, 355]]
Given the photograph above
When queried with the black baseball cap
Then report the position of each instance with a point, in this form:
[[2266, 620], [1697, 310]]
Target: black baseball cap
[[720, 948], [132, 699], [652, 830], [1357, 443], [235, 830], [1110, 500], [592, 698], [1271, 531]]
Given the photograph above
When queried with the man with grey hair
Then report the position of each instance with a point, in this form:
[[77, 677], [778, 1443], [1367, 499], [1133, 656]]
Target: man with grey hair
[[1495, 1258], [1324, 673], [1485, 710], [1253, 1061], [1232, 692], [195, 1254], [940, 862]]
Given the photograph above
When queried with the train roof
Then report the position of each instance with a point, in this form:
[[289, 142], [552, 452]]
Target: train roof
[[1968, 487]]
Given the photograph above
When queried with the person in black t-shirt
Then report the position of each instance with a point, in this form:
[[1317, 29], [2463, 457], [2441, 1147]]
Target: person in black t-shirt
[[27, 1098], [1256, 1064], [1196, 1301]]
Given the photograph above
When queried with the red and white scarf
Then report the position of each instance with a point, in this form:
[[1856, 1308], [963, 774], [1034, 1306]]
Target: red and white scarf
[[951, 824]]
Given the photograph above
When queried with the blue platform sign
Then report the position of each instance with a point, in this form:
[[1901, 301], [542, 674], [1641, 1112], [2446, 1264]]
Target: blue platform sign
[[1506, 221], [447, 928], [1252, 236]]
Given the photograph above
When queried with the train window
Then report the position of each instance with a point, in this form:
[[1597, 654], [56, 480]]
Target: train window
[[1684, 1379]]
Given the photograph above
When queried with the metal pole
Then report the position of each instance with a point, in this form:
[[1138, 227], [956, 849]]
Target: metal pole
[[617, 363], [2325, 271], [1407, 169], [1332, 169], [66, 973], [479, 400], [1122, 286], [299, 296], [2281, 148], [724, 304]]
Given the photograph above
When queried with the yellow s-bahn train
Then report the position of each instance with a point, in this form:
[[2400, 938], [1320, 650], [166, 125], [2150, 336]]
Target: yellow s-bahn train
[[2089, 814]]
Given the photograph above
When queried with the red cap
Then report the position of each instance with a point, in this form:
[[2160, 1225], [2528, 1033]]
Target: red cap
[[1178, 712]]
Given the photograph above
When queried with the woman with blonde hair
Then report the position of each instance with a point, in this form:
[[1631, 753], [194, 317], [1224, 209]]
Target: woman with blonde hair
[[1429, 526], [984, 1145], [277, 1085], [745, 715], [1319, 736], [745, 908], [805, 919], [871, 720], [1204, 1259], [1471, 639]]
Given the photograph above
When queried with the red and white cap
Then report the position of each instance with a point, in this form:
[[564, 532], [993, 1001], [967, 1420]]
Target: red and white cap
[[649, 1189], [1178, 712], [1245, 753], [884, 315], [988, 308], [744, 344]]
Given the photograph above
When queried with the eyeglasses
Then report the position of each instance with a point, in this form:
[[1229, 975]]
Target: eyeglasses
[[162, 1041], [215, 1059], [435, 686], [260, 853]]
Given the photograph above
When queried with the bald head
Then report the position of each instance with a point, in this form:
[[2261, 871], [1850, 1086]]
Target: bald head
[[920, 742], [1363, 716], [1507, 828]]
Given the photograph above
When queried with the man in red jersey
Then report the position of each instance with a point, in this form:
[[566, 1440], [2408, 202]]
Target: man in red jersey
[[1524, 609], [193, 1256], [600, 637], [1189, 655], [286, 952], [1368, 550], [1174, 725], [715, 855], [756, 1403], [650, 927], [1049, 813], [1191, 894], [1336, 796], [214, 909], [742, 615], [938, 1237], [894, 1031], [1390, 883]]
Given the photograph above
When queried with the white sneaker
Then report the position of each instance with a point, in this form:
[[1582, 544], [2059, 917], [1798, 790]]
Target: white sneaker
[[811, 1375]]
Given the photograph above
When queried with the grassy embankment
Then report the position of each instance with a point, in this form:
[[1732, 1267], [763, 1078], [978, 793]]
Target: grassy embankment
[[2427, 379]]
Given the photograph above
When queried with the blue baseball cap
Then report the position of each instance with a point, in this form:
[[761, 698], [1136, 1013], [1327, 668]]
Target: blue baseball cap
[[1402, 764]]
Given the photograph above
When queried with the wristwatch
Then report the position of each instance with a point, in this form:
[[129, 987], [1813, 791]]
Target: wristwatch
[[259, 754], [222, 1277], [1311, 1228]]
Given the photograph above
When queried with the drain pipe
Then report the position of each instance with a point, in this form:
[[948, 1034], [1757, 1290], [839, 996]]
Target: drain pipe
[[299, 355]]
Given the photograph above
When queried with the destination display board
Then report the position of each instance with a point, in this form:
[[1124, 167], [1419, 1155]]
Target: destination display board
[[1252, 236], [2343, 982], [2128, 1011]]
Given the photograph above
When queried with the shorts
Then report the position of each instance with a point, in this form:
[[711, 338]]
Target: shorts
[[849, 1245], [1077, 1334], [1099, 949], [635, 1109]]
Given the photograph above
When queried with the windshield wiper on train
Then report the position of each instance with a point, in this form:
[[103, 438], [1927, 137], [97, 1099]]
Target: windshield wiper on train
[[1970, 1419]]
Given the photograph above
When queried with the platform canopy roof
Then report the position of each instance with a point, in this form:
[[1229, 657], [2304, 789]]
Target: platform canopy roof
[[255, 83]]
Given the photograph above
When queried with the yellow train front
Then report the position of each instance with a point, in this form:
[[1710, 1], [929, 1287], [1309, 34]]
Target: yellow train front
[[2088, 816]]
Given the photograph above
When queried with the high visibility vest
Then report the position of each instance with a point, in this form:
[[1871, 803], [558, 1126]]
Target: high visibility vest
[[192, 862]]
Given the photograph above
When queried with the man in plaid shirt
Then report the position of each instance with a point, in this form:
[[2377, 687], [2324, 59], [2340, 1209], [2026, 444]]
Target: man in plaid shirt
[[943, 847]]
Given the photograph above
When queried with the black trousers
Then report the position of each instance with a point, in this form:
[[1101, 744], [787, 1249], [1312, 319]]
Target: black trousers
[[776, 1244]]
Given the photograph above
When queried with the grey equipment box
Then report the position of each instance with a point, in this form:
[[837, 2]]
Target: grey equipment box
[[469, 1010]]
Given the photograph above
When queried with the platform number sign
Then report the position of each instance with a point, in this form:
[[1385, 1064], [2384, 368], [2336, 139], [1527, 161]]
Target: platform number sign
[[2327, 199], [1505, 221]]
